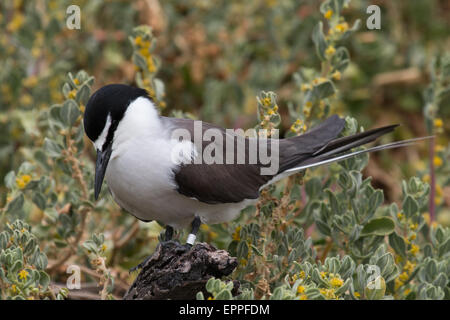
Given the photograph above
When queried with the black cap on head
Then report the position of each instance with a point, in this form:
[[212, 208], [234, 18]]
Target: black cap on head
[[111, 99]]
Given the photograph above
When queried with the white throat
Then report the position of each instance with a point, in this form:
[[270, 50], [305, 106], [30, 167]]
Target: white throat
[[141, 120], [102, 137]]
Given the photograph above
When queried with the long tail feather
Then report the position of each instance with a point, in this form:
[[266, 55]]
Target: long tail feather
[[346, 143], [326, 158]]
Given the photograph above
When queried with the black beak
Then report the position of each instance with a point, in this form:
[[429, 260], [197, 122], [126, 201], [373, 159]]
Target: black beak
[[100, 168]]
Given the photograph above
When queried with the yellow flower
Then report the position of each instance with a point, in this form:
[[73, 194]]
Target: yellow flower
[[426, 217], [302, 274], [439, 148], [413, 226], [437, 200], [144, 52], [76, 81], [35, 52], [437, 161], [426, 178], [323, 274], [438, 123], [104, 247], [138, 40], [336, 282], [23, 274], [26, 178], [400, 216], [151, 65], [82, 108], [266, 101], [146, 43], [412, 237], [237, 234], [22, 181], [275, 108], [319, 80], [213, 235], [342, 27], [356, 293], [328, 14], [328, 293], [303, 297], [336, 75], [305, 87], [270, 112], [414, 249], [30, 82], [16, 22], [409, 267], [403, 277], [330, 51], [26, 99], [300, 289], [438, 190], [72, 94], [398, 283]]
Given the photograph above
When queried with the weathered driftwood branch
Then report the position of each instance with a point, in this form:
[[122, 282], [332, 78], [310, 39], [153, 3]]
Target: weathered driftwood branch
[[175, 272]]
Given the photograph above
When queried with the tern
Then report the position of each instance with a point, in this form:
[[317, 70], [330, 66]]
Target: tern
[[154, 175]]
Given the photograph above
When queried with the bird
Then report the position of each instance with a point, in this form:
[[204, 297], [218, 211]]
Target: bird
[[135, 155]]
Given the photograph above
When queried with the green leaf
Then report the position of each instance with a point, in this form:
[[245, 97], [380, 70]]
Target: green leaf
[[378, 226], [334, 203], [10, 180], [410, 206], [69, 112], [139, 61], [200, 296], [52, 148], [224, 295], [444, 249], [313, 187], [375, 289], [323, 90], [319, 41], [16, 204], [397, 243], [82, 96], [39, 200], [44, 280]]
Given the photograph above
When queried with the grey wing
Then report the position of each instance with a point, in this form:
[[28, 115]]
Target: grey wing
[[217, 183]]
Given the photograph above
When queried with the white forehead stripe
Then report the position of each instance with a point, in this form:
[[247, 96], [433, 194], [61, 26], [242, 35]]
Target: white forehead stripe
[[102, 137]]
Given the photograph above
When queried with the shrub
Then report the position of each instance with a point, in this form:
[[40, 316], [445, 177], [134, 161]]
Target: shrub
[[328, 233]]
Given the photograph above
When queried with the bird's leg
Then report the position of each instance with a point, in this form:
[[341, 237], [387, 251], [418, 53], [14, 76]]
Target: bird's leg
[[193, 235], [168, 234]]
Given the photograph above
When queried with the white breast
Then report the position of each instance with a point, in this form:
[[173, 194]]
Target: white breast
[[140, 173]]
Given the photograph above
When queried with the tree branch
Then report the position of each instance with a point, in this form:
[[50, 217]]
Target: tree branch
[[176, 272]]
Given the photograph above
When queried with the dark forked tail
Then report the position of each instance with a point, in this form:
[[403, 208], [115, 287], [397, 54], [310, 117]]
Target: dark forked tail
[[315, 147]]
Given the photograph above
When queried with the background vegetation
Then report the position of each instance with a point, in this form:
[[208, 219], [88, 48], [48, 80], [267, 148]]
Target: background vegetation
[[315, 236]]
